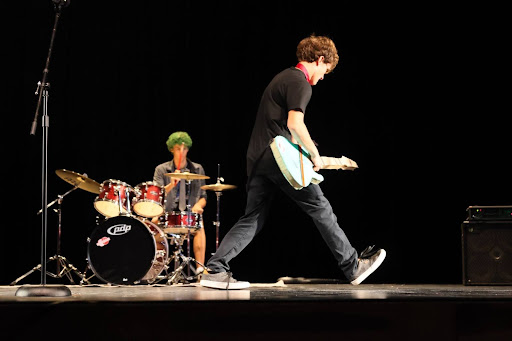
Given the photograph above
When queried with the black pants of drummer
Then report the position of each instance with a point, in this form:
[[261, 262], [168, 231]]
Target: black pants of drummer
[[266, 179]]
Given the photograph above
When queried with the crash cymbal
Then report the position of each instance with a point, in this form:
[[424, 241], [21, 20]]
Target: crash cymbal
[[187, 176], [79, 180], [218, 187]]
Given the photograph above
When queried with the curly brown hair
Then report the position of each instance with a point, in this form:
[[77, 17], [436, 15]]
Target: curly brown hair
[[313, 47]]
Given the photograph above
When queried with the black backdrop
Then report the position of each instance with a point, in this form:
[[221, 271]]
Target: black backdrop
[[414, 100]]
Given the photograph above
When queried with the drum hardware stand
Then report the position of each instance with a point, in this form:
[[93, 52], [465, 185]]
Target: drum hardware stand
[[218, 188], [128, 203], [217, 222], [67, 268], [178, 275], [62, 262], [189, 219], [85, 279]]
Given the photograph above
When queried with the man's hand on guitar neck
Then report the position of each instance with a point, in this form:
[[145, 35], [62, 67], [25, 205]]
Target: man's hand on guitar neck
[[318, 163]]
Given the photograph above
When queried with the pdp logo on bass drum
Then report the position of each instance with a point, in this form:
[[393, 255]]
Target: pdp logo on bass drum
[[119, 229]]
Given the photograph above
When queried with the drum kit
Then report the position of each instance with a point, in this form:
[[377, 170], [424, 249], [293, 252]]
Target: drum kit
[[127, 247]]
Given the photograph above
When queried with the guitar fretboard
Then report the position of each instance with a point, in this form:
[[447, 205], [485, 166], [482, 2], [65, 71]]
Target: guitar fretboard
[[337, 163]]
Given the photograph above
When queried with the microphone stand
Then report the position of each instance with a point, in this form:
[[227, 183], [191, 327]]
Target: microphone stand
[[43, 93]]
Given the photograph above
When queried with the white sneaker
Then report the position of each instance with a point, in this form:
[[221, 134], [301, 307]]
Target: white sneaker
[[222, 280], [367, 264]]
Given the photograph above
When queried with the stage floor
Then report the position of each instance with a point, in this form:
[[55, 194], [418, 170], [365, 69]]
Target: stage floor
[[269, 310], [265, 292]]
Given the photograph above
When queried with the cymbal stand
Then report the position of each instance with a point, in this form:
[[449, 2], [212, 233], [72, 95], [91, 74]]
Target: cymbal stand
[[217, 222], [189, 220], [63, 267]]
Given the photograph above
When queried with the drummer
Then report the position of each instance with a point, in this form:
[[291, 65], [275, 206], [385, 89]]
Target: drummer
[[176, 190]]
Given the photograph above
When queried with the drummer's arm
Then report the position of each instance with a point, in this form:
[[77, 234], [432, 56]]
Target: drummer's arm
[[199, 206], [158, 177], [170, 185]]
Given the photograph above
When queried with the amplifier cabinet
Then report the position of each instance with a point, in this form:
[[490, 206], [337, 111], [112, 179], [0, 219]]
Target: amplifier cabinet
[[487, 252]]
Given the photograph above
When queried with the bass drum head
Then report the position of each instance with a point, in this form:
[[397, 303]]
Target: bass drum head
[[121, 250]]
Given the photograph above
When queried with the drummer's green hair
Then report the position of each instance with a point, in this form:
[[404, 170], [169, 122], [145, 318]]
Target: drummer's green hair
[[179, 137]]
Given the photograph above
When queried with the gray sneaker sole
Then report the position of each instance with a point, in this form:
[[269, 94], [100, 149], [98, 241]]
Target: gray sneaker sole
[[371, 269], [222, 285]]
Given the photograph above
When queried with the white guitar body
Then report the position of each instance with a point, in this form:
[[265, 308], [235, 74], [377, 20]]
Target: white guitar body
[[297, 168]]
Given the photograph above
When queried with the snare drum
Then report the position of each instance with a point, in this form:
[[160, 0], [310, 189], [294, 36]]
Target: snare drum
[[181, 222], [127, 250], [111, 193], [150, 199]]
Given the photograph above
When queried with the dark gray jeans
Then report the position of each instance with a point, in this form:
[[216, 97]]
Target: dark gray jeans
[[266, 179]]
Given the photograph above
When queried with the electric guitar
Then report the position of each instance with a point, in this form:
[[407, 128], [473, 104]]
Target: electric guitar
[[295, 163]]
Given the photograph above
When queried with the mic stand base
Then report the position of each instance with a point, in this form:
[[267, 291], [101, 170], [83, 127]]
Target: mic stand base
[[43, 291]]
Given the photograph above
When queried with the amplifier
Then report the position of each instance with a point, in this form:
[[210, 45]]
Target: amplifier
[[489, 213], [487, 252]]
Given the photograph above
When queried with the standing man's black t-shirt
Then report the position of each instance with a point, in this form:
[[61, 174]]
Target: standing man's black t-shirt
[[289, 90]]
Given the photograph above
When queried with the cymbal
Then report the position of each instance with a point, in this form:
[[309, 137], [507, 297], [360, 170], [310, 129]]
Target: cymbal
[[218, 187], [187, 176], [79, 180]]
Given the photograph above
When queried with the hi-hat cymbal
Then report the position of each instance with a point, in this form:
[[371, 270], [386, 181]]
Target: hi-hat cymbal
[[218, 187], [187, 176], [79, 180]]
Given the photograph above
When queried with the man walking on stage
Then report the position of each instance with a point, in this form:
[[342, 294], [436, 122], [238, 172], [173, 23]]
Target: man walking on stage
[[281, 112]]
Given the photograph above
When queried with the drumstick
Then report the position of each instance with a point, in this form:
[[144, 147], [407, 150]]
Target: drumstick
[[181, 153], [179, 160]]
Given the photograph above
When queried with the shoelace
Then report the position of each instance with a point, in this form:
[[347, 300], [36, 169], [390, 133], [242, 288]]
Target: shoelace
[[368, 252], [230, 275]]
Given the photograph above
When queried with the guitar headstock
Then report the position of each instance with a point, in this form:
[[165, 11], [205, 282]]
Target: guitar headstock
[[343, 163]]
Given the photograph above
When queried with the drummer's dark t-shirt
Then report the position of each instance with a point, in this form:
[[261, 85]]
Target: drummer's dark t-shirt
[[288, 90]]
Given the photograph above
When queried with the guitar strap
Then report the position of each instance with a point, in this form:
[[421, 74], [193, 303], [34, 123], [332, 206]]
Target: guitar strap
[[306, 73], [303, 69], [301, 166]]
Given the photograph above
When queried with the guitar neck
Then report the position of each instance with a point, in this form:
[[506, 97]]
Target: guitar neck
[[336, 163]]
